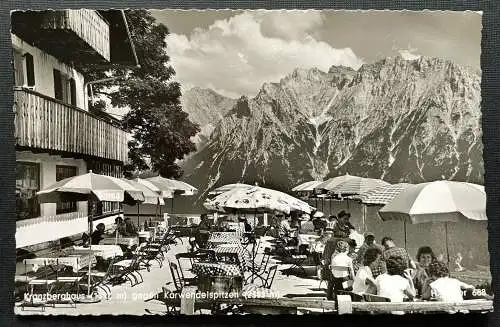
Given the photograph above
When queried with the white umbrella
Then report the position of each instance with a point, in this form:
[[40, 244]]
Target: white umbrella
[[150, 196], [228, 187], [256, 199], [438, 201], [87, 187], [178, 187]]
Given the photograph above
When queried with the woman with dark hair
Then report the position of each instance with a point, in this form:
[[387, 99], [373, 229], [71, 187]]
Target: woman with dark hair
[[364, 281], [425, 256], [397, 283]]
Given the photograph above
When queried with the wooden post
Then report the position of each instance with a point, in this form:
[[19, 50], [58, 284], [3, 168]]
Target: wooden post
[[266, 222], [187, 300], [344, 304]]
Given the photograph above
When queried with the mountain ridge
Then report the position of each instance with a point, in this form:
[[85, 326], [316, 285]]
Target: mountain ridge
[[397, 119]]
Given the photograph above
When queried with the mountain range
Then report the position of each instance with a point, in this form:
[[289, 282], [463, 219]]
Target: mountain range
[[396, 119]]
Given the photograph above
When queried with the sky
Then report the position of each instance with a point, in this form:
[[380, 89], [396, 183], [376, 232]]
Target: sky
[[234, 52]]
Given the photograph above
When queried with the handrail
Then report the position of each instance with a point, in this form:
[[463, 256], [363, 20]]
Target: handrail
[[28, 90]]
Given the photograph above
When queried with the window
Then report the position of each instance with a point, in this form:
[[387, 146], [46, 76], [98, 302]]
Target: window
[[63, 172], [27, 184], [23, 66], [64, 88], [30, 69]]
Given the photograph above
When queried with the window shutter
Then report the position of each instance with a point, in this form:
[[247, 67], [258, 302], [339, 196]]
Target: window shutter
[[58, 92], [30, 69], [72, 90]]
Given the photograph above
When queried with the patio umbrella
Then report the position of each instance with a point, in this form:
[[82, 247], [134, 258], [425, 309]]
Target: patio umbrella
[[439, 201], [228, 187], [357, 185], [380, 195], [307, 186], [256, 199], [150, 196], [330, 184], [87, 187], [178, 187]]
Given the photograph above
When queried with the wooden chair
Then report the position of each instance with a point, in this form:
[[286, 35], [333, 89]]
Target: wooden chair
[[39, 281], [257, 270]]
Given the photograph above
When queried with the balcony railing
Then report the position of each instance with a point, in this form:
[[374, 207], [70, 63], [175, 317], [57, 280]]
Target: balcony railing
[[86, 23], [78, 37], [47, 124]]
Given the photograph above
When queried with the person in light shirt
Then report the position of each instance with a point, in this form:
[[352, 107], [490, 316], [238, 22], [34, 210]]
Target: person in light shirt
[[441, 287], [396, 284], [364, 281], [341, 267]]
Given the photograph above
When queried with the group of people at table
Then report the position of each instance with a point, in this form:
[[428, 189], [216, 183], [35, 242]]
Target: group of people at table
[[385, 270]]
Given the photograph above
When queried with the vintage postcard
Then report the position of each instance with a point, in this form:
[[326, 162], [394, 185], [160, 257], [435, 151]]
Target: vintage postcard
[[215, 162]]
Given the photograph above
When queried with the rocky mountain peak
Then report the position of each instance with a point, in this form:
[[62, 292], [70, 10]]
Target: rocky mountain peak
[[396, 119]]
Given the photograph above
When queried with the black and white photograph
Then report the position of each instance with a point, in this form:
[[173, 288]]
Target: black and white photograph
[[234, 162]]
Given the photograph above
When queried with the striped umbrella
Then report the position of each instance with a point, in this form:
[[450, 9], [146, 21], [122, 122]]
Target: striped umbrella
[[357, 185], [307, 186], [330, 184], [381, 195]]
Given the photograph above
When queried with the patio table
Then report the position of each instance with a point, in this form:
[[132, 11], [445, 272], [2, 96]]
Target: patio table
[[103, 251], [307, 239], [218, 238], [242, 253], [126, 241], [77, 261], [216, 269]]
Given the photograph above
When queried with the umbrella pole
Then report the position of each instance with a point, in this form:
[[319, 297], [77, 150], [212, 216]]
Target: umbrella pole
[[446, 240], [330, 200], [138, 223], [172, 205], [91, 218], [404, 224]]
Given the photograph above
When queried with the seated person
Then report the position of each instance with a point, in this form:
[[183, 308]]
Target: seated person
[[364, 282], [121, 227], [352, 249], [342, 227], [425, 256], [307, 226], [244, 220], [441, 286], [130, 229], [85, 240], [286, 232], [341, 267], [397, 283], [97, 235], [390, 250]]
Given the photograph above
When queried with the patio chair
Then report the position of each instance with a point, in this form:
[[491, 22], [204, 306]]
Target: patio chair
[[129, 269], [258, 269], [100, 279], [150, 253], [178, 278], [271, 273], [39, 280]]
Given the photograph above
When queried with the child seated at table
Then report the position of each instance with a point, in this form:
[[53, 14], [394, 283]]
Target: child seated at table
[[441, 287], [364, 281], [341, 267]]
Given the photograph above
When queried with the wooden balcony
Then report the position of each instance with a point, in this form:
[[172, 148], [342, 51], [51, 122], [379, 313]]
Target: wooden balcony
[[73, 36], [44, 124]]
